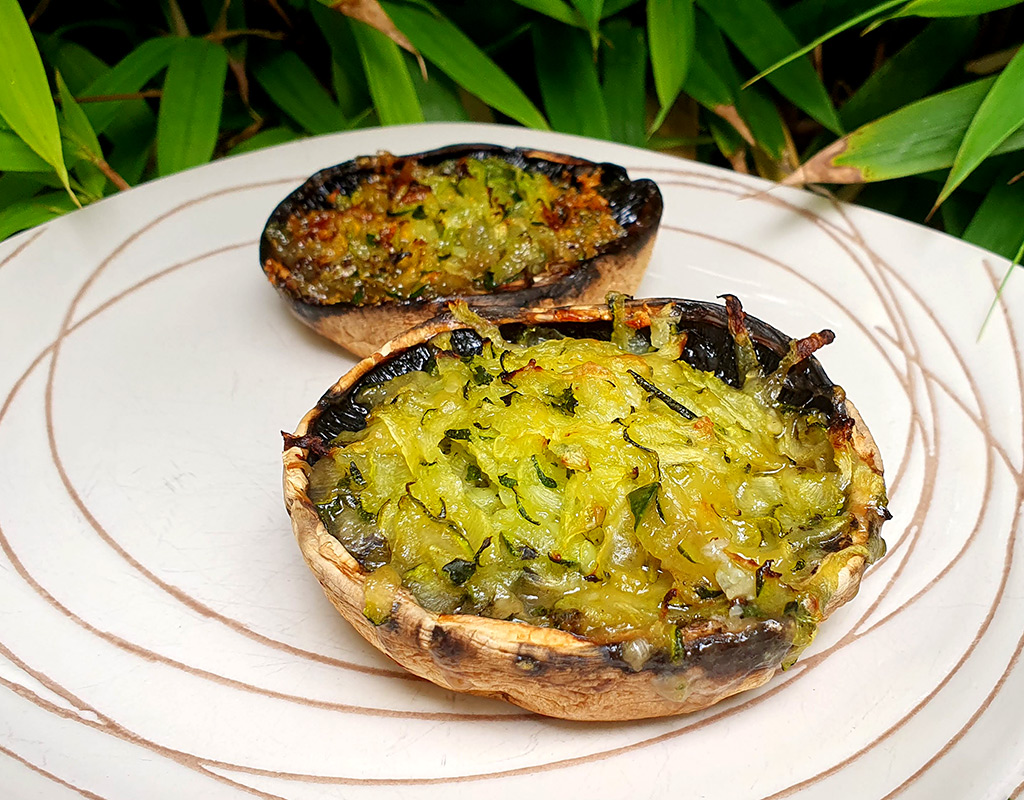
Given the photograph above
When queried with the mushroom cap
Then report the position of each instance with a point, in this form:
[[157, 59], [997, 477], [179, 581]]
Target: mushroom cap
[[361, 329], [543, 669]]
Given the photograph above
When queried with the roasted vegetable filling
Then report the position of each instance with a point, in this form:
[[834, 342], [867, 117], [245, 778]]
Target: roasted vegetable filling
[[465, 226], [606, 488]]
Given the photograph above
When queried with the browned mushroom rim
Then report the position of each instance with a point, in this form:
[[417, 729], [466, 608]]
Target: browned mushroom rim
[[575, 486], [465, 220]]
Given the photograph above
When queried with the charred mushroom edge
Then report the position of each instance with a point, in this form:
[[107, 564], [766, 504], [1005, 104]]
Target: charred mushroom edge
[[637, 206], [547, 670]]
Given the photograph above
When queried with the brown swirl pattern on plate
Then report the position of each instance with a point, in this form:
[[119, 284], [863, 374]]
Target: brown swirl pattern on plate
[[899, 350]]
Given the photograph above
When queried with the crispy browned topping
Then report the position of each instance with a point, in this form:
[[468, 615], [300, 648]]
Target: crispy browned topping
[[466, 226]]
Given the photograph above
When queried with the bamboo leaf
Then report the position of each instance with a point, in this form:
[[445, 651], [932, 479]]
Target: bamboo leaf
[[136, 117], [25, 214], [370, 12], [999, 115], [507, 40], [222, 15], [439, 96], [390, 83], [25, 101], [556, 9], [766, 126], [460, 59], [76, 126], [874, 11], [910, 198], [729, 142], [705, 86], [807, 18], [956, 215], [91, 181], [128, 75], [671, 28], [759, 33], [674, 142], [118, 119], [79, 132], [350, 88], [115, 25], [568, 81], [296, 91], [918, 138], [952, 8], [590, 12], [943, 8], [753, 115], [613, 7], [1015, 262], [16, 186], [912, 72], [266, 138], [367, 118], [624, 70], [993, 170], [996, 225], [78, 66], [190, 108], [347, 76], [16, 156], [132, 151]]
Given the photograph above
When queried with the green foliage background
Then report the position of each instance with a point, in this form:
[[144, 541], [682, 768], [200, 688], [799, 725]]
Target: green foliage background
[[895, 105]]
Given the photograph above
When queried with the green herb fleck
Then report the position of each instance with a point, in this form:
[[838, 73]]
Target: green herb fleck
[[678, 645], [671, 402], [522, 512], [563, 562], [459, 570], [566, 402], [357, 476], [544, 479], [639, 499]]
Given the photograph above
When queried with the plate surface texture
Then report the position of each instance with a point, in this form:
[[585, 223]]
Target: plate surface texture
[[161, 637]]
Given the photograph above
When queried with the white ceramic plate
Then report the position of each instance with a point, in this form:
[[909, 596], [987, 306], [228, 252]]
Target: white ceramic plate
[[161, 637]]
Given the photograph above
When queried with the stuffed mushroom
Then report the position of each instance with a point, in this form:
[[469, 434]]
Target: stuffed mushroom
[[594, 512], [368, 248]]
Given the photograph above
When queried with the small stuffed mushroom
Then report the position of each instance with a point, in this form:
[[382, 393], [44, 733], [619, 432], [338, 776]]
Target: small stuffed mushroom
[[367, 249], [594, 512]]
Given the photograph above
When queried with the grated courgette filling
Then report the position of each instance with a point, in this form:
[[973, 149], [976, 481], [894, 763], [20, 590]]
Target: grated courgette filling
[[465, 226], [606, 488]]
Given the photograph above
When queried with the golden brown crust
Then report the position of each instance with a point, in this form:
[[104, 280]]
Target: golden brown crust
[[618, 266], [544, 669], [362, 329], [850, 576]]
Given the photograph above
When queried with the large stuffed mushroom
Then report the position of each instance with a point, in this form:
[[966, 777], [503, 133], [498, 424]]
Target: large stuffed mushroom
[[594, 512]]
